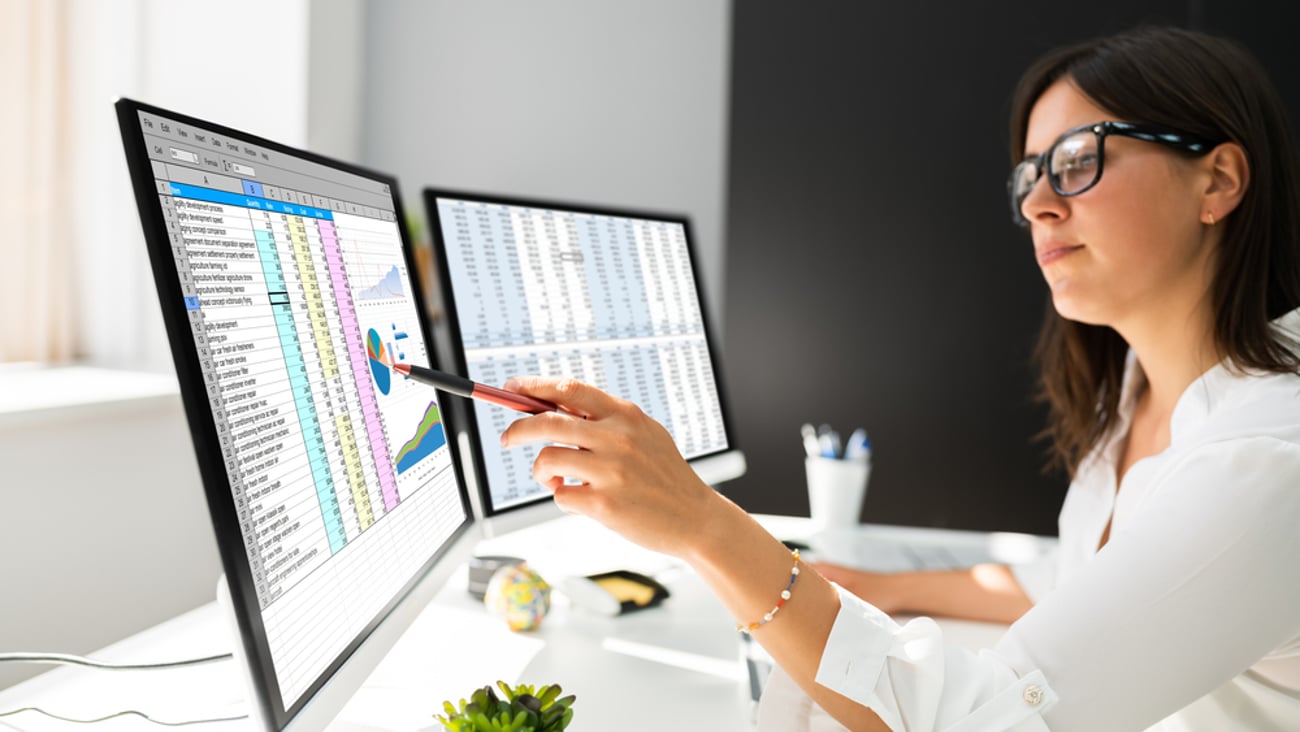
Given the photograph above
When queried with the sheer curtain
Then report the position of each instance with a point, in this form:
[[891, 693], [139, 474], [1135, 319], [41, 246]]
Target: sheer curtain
[[75, 283], [74, 278], [37, 302]]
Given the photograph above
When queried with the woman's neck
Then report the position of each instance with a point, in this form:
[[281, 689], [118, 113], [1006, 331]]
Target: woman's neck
[[1173, 352]]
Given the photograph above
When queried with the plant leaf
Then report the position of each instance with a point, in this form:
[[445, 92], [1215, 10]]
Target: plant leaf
[[547, 694], [521, 708]]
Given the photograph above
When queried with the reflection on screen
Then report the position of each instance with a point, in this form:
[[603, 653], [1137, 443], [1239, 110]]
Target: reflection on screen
[[298, 300], [610, 300]]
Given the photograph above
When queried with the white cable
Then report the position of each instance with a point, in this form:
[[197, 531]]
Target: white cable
[[83, 661], [67, 658], [127, 712]]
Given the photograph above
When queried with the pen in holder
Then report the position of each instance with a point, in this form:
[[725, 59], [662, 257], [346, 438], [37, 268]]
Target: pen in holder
[[836, 488]]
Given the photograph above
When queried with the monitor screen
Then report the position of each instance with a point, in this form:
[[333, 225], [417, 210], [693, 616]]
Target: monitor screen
[[608, 297], [286, 286]]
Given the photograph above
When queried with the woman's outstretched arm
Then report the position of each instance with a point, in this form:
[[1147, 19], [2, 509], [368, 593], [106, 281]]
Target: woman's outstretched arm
[[635, 482], [985, 592]]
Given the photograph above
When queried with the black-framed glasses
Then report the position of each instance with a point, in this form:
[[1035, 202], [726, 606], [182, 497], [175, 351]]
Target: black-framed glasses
[[1074, 162]]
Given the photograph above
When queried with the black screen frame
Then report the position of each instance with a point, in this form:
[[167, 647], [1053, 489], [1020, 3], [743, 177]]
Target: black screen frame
[[458, 364], [216, 484]]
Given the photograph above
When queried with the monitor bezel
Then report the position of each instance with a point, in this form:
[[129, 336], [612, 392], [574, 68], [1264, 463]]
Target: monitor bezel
[[451, 321], [217, 488]]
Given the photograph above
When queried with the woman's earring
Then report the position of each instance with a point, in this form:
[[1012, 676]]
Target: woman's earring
[[1209, 216]]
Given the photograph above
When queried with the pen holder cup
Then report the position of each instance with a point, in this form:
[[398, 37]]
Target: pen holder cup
[[836, 489]]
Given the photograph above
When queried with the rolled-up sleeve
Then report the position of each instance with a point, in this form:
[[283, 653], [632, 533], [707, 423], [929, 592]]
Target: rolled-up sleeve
[[913, 681]]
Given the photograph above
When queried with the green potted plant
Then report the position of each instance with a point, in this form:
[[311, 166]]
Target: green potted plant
[[524, 709]]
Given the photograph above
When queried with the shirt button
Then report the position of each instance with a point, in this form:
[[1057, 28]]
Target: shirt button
[[1033, 695]]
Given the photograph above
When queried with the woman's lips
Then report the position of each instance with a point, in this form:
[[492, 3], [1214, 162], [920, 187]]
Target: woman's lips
[[1054, 252]]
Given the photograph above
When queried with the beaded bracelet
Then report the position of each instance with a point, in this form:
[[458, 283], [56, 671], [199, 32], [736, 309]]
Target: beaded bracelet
[[785, 595]]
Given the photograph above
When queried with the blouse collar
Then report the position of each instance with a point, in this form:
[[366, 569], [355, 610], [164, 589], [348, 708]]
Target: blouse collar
[[1218, 387]]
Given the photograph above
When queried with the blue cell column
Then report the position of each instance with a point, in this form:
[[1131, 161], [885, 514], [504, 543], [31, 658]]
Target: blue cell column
[[270, 262], [293, 361]]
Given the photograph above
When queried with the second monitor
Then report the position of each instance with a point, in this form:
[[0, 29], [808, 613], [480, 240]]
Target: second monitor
[[608, 297]]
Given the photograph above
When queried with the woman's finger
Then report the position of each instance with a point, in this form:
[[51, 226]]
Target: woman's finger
[[562, 462], [572, 498], [549, 427], [557, 468], [572, 395]]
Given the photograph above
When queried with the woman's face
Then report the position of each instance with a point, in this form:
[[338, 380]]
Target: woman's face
[[1131, 247]]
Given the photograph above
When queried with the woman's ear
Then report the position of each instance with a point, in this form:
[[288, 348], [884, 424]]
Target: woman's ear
[[1229, 179]]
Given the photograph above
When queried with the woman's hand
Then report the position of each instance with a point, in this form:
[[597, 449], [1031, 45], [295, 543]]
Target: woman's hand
[[634, 480]]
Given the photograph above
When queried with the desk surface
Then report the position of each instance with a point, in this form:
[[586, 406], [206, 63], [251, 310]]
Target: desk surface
[[684, 650]]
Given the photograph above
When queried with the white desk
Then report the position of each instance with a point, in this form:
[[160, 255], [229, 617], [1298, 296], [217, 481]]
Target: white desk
[[635, 672]]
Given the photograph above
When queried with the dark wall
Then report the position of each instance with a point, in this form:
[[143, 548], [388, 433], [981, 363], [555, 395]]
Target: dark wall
[[873, 275]]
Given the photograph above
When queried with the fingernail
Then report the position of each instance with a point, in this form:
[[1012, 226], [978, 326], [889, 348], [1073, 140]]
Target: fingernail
[[511, 384], [504, 441]]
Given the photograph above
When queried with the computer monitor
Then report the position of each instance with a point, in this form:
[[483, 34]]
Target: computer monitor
[[286, 289], [609, 297]]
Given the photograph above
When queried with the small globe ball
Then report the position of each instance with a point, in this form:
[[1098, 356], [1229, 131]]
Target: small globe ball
[[519, 596]]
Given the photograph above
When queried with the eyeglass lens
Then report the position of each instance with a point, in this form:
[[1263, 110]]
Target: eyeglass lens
[[1074, 162], [1072, 165]]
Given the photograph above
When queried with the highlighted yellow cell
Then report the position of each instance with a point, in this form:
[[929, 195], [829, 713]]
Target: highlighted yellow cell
[[315, 302], [356, 475]]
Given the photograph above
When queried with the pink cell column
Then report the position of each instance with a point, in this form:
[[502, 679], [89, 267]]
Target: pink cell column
[[360, 372]]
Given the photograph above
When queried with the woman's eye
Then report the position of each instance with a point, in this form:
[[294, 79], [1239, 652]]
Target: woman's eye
[[1086, 161]]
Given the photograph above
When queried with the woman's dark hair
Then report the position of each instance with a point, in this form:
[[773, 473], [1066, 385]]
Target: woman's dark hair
[[1212, 88]]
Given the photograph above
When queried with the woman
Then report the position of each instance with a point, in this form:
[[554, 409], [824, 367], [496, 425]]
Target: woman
[[1157, 177]]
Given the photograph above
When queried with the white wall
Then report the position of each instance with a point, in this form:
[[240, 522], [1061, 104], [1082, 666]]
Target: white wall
[[336, 73], [619, 103], [105, 530]]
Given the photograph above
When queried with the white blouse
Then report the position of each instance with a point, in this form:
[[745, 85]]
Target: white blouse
[[1188, 619]]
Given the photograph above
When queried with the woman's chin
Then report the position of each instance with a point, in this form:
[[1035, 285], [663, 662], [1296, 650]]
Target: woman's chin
[[1071, 307]]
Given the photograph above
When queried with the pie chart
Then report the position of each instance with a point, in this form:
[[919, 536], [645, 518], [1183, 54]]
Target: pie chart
[[378, 362]]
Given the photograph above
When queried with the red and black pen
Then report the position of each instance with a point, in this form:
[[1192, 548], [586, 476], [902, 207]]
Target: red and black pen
[[460, 386]]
